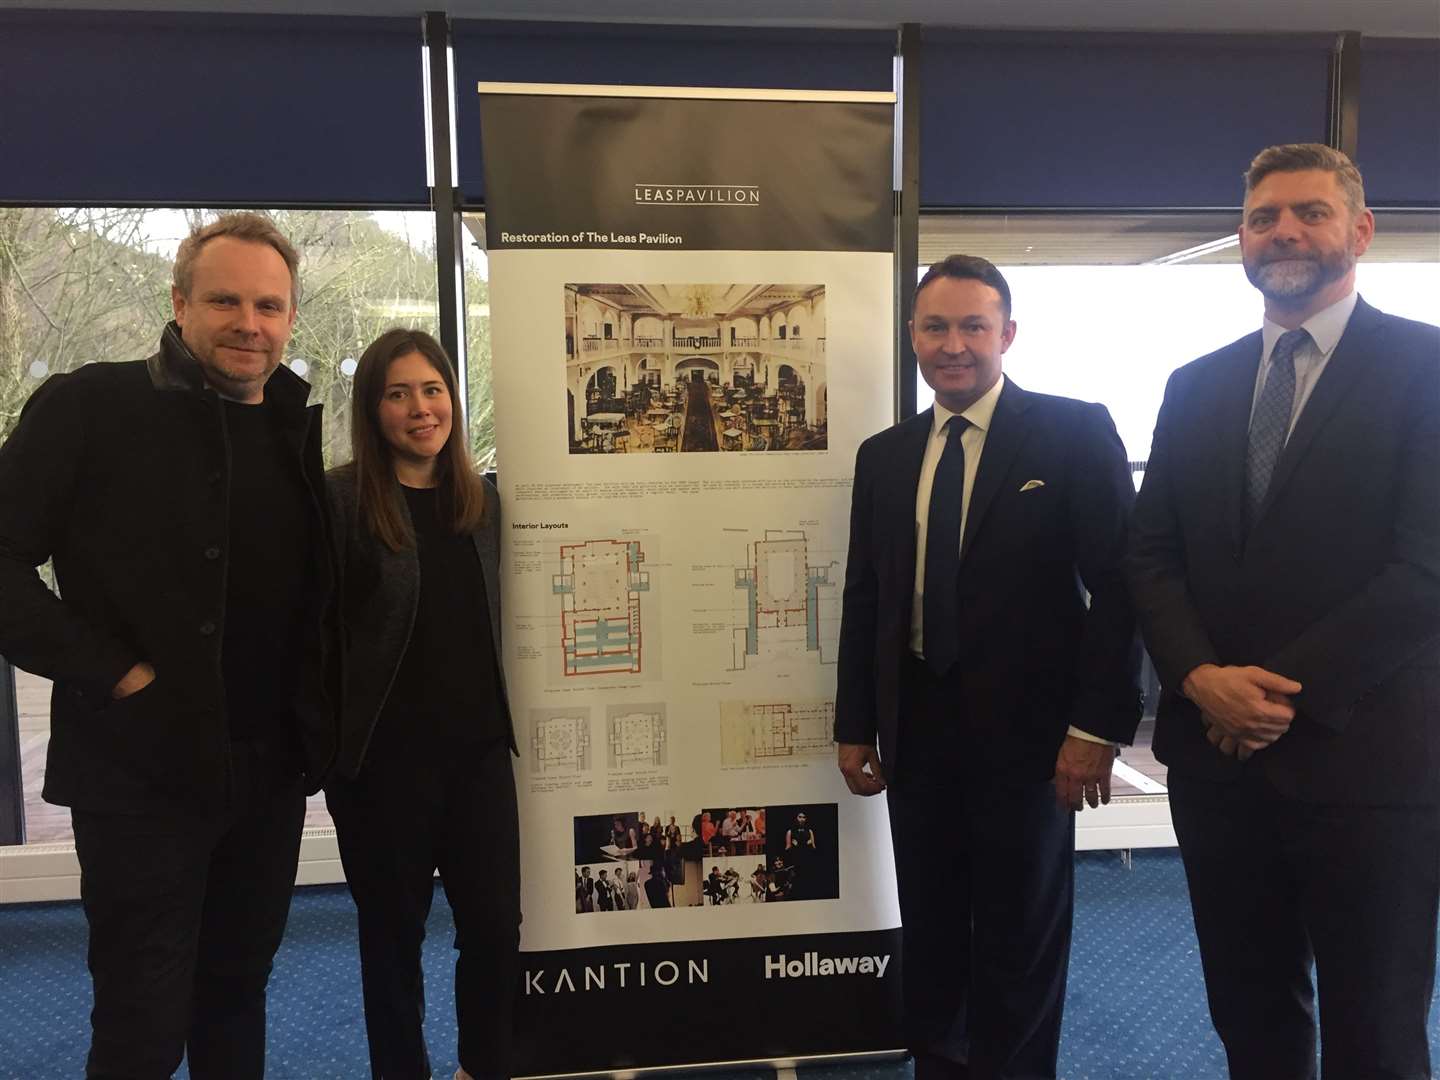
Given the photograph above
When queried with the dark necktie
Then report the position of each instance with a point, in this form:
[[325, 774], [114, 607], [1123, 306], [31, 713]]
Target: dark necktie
[[1270, 425], [942, 552]]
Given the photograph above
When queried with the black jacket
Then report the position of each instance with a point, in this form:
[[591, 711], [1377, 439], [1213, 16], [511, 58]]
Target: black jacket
[[1034, 656], [1337, 585], [120, 473], [381, 591]]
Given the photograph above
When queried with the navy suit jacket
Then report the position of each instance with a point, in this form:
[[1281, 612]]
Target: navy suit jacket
[[1035, 657], [1337, 584]]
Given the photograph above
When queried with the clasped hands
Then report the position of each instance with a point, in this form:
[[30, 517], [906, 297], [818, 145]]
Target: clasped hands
[[1244, 709]]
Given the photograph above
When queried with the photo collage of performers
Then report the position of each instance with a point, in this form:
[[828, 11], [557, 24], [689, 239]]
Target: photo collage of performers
[[719, 856]]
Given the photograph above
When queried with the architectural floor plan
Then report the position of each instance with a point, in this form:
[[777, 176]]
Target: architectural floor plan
[[637, 736], [599, 586], [761, 732], [559, 742], [782, 586]]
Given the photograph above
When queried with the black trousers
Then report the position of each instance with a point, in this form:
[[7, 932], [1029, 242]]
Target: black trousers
[[1276, 885], [413, 810], [985, 867], [185, 915]]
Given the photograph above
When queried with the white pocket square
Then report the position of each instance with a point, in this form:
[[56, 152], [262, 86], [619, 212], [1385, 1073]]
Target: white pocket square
[[1031, 485]]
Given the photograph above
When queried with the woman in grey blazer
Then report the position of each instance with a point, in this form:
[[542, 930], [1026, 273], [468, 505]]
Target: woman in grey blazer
[[424, 781]]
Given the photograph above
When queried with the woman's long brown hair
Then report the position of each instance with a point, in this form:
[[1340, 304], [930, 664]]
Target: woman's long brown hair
[[462, 492]]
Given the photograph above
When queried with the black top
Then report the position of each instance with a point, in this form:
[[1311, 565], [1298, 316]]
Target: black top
[[447, 683], [120, 471], [267, 577]]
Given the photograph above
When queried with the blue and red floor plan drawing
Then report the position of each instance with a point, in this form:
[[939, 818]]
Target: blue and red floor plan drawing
[[599, 586]]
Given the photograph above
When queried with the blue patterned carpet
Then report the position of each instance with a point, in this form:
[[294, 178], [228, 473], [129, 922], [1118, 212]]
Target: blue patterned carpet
[[1136, 1008]]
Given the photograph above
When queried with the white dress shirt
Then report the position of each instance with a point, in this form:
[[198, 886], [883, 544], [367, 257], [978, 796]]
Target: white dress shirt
[[1325, 328], [972, 442]]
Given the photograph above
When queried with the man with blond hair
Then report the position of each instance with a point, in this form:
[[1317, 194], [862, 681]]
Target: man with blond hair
[[181, 499], [1285, 564]]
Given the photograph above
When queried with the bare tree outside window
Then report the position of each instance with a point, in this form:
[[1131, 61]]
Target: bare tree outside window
[[480, 403], [93, 284], [78, 285]]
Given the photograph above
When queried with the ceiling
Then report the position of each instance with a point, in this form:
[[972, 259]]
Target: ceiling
[[1380, 18], [703, 302]]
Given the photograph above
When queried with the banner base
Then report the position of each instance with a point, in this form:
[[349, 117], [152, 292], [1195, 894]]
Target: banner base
[[777, 1064]]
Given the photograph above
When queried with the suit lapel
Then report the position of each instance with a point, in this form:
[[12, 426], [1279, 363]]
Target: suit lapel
[[1236, 389], [1345, 366], [1002, 442]]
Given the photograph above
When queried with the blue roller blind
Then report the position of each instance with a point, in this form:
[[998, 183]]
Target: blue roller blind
[[138, 108], [1109, 120], [1399, 145], [656, 56]]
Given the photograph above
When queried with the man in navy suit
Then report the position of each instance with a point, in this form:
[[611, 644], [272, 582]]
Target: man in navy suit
[[1285, 564], [977, 682]]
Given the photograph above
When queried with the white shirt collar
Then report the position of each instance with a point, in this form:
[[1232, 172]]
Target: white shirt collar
[[979, 414], [1325, 327]]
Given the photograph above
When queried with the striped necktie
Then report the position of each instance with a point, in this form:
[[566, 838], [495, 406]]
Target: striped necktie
[[1270, 426]]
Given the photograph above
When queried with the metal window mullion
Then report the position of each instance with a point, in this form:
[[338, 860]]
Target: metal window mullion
[[445, 199], [1343, 119], [907, 245], [12, 791]]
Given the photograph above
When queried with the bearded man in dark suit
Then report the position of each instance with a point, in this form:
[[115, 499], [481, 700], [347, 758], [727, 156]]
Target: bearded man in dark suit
[[1285, 564]]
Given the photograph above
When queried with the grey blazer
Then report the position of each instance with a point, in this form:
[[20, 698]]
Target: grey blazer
[[381, 594]]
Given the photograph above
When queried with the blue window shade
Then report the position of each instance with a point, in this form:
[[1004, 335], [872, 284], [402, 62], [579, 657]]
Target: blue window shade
[[1109, 120], [1399, 144], [210, 110], [632, 55]]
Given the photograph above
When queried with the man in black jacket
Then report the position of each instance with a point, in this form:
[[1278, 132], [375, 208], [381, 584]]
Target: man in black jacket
[[1285, 564], [181, 500]]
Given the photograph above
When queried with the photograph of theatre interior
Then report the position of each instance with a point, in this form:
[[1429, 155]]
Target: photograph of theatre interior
[[671, 368]]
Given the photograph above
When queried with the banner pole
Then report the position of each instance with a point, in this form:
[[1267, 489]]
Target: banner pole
[[907, 240], [444, 198]]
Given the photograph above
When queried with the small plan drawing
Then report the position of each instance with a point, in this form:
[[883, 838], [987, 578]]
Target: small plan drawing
[[782, 610], [599, 586], [765, 732]]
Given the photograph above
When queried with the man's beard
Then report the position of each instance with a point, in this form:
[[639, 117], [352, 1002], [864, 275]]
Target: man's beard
[[1295, 277], [235, 377], [238, 385]]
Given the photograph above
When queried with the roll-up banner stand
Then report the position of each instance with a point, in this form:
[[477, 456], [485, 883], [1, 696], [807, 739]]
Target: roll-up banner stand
[[691, 300]]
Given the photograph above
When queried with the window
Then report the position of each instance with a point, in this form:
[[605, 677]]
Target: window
[[85, 284], [1108, 305], [480, 401]]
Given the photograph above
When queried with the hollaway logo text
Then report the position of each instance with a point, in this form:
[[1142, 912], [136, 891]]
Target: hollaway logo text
[[699, 194], [628, 975], [811, 964]]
